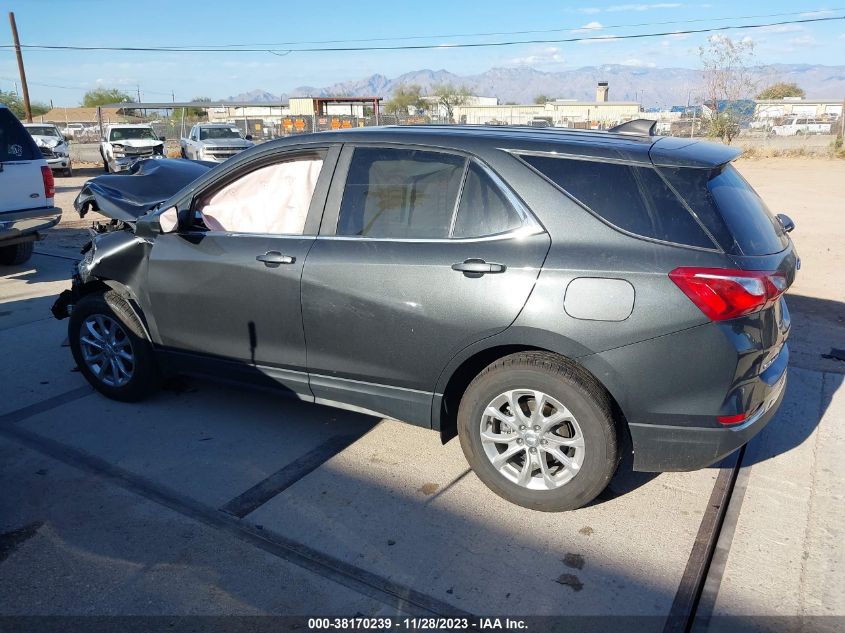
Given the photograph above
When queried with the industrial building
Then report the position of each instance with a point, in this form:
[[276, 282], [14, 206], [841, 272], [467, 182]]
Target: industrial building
[[559, 113], [767, 110]]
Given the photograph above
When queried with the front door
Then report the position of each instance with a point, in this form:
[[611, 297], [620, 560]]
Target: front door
[[430, 252], [225, 292]]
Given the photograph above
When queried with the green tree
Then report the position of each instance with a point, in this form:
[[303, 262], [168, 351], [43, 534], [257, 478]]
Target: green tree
[[782, 89], [542, 99], [15, 104], [103, 96], [196, 111], [404, 97], [449, 97]]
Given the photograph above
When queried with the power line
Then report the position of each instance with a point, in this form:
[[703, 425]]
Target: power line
[[347, 49], [499, 33]]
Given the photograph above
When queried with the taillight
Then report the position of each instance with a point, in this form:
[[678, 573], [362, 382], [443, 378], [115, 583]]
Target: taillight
[[49, 183], [725, 293]]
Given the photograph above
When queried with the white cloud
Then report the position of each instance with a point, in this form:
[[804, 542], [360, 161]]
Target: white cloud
[[546, 57], [589, 10], [803, 40], [589, 26]]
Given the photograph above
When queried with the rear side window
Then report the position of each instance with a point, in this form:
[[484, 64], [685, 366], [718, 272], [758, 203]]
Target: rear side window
[[15, 141], [633, 198], [484, 209], [400, 193], [730, 209]]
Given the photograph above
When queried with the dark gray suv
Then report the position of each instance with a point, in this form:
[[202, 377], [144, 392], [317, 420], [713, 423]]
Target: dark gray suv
[[555, 298]]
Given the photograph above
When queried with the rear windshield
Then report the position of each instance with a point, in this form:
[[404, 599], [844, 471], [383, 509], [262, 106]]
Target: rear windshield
[[633, 198], [15, 141], [730, 209], [44, 130]]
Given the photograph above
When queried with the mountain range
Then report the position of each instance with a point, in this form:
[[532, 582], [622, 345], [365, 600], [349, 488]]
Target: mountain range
[[651, 86]]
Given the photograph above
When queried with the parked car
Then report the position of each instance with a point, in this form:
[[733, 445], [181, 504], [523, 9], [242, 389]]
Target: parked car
[[214, 142], [26, 192], [72, 130], [484, 282], [124, 145], [53, 146], [801, 125]]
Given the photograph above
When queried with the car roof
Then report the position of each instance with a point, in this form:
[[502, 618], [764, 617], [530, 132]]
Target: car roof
[[592, 144]]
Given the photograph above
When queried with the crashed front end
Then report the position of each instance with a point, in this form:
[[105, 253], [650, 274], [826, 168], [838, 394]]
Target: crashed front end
[[126, 154], [115, 255]]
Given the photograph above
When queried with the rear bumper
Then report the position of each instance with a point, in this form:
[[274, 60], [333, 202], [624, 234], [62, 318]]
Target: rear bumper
[[16, 226], [659, 448]]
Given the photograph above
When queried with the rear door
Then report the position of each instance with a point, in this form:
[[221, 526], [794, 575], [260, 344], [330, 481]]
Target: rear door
[[21, 182], [421, 253]]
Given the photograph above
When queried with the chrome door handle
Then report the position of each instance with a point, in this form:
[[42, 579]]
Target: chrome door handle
[[478, 267], [272, 259]]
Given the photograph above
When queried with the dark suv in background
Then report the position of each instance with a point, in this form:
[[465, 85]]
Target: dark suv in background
[[552, 297]]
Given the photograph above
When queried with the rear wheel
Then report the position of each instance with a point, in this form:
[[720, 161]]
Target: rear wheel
[[539, 432], [68, 171], [109, 346], [16, 253]]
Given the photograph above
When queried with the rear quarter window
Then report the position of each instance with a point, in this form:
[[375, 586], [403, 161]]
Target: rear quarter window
[[730, 209], [630, 197], [15, 141]]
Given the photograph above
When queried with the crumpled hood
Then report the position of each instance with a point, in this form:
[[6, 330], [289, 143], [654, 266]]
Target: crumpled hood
[[126, 197], [47, 141], [137, 142]]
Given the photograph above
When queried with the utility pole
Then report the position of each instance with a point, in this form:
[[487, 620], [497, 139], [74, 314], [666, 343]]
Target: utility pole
[[26, 109]]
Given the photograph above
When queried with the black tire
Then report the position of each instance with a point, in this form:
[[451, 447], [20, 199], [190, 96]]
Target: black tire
[[184, 155], [16, 253], [579, 392], [68, 173], [144, 378]]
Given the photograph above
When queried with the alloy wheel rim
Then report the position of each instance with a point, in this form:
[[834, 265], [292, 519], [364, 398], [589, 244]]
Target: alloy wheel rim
[[107, 350], [532, 439]]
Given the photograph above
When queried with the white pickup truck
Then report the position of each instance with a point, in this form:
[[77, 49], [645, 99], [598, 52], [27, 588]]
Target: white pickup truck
[[214, 142], [124, 145], [801, 125]]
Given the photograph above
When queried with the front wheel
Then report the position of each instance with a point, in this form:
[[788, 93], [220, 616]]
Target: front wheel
[[539, 432], [109, 346]]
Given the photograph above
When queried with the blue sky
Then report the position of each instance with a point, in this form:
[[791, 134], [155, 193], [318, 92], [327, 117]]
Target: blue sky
[[63, 76]]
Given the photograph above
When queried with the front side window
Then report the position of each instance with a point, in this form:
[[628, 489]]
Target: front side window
[[269, 200], [484, 209], [400, 193], [631, 197]]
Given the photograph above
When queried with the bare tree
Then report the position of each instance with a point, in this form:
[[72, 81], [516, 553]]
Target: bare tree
[[728, 79], [449, 97]]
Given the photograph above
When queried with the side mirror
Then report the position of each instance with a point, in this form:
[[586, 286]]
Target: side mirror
[[67, 137], [154, 224], [248, 137], [786, 222], [162, 139]]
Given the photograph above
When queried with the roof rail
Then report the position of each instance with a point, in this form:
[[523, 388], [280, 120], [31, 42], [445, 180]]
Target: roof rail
[[639, 127]]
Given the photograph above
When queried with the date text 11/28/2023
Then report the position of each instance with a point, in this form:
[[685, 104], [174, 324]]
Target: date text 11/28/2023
[[416, 624]]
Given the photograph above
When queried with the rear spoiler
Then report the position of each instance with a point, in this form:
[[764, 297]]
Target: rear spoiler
[[669, 151]]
